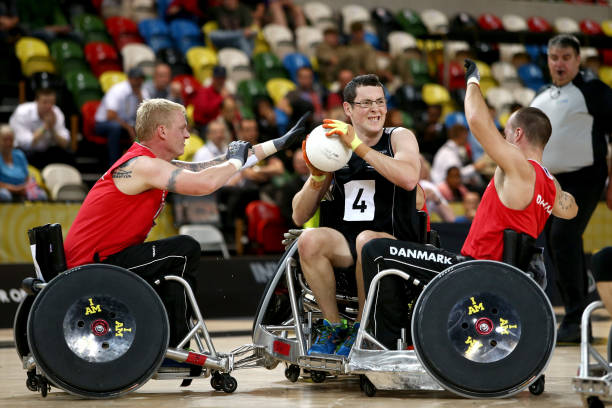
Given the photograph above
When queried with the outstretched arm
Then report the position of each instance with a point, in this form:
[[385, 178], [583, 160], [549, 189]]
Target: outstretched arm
[[258, 152], [506, 155]]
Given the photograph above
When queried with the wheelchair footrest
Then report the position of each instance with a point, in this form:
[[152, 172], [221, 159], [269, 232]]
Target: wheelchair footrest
[[592, 385], [330, 363]]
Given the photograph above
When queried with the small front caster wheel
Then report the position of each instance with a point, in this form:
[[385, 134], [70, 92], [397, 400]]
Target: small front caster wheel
[[229, 383], [318, 376], [292, 373], [216, 381], [537, 387]]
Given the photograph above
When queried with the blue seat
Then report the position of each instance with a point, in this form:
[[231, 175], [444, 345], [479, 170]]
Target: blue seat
[[185, 43], [160, 42], [455, 118], [372, 39], [181, 28], [294, 61], [162, 6], [531, 76], [153, 27]]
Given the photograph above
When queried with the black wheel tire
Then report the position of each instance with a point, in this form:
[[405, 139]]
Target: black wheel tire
[[318, 376], [63, 366], [292, 373], [368, 387], [610, 345], [229, 383], [537, 388], [594, 402], [217, 382]]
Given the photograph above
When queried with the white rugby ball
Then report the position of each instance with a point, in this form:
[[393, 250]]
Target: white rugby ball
[[326, 153]]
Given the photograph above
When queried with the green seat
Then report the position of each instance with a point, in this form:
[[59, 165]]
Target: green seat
[[85, 23], [68, 55], [410, 22], [420, 72], [249, 90], [97, 36], [268, 66], [83, 86]]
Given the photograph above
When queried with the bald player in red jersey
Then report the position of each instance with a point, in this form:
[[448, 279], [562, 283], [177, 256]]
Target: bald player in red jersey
[[521, 196]]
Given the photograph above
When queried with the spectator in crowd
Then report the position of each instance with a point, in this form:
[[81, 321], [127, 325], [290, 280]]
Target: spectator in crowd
[[236, 28], [15, 183], [286, 13], [358, 55], [43, 19], [470, 203], [452, 188], [308, 91], [435, 201], [9, 20], [334, 99], [160, 86], [207, 100], [231, 116], [116, 114], [293, 185], [454, 153], [40, 130], [266, 119], [431, 134], [188, 9], [217, 139], [401, 65], [328, 55], [579, 109]]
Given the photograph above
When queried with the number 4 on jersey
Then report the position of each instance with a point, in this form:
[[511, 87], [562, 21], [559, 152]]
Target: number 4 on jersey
[[359, 200], [357, 205]]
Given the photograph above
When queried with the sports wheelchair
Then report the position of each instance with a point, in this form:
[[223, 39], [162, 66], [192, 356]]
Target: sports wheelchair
[[480, 329]]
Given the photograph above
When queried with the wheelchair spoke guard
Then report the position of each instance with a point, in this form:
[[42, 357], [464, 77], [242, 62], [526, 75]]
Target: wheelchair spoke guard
[[483, 329], [98, 331]]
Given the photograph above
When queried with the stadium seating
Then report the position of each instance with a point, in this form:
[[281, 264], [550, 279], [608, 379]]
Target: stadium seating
[[153, 27], [490, 22], [28, 47], [411, 22], [202, 60], [140, 55], [435, 94], [538, 24], [307, 39], [514, 23], [279, 38], [88, 112], [531, 76], [110, 78], [590, 27], [277, 88], [237, 64], [435, 21], [102, 57], [354, 13], [318, 14], [189, 85], [83, 86], [68, 55], [176, 60], [265, 227], [293, 62], [250, 90], [268, 66], [566, 25]]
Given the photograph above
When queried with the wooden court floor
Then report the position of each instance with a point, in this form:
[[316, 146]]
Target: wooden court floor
[[261, 388]]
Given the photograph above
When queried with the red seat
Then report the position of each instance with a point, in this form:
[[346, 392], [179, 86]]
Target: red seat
[[456, 75], [189, 86], [490, 22], [125, 39], [88, 112], [590, 27], [538, 25], [265, 226], [102, 57], [606, 56], [118, 26]]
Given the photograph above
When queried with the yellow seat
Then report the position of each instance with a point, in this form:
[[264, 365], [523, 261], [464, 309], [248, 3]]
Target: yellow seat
[[35, 174], [202, 60], [503, 118], [434, 94], [279, 87], [606, 27], [110, 78], [189, 113], [192, 145], [206, 29], [38, 63], [487, 83], [605, 74], [484, 69], [28, 47]]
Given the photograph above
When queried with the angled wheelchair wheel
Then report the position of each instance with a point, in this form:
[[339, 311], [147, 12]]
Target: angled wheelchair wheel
[[20, 326], [98, 331], [483, 329]]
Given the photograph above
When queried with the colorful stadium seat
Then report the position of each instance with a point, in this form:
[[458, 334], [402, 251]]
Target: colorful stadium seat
[[318, 14], [293, 62], [102, 57], [411, 22], [268, 66], [138, 55], [88, 113], [434, 94], [279, 87], [566, 25], [250, 90], [189, 85], [531, 76], [538, 25], [514, 23], [153, 27], [68, 55], [307, 39], [110, 78], [28, 47], [83, 86], [265, 226], [202, 60], [590, 27], [435, 21], [490, 22]]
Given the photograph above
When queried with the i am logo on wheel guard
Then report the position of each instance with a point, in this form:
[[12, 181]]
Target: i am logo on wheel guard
[[483, 328]]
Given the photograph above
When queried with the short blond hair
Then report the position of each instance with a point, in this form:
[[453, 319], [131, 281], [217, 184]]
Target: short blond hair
[[152, 113]]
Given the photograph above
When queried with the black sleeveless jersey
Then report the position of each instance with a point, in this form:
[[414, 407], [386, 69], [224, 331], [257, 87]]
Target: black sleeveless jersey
[[362, 199]]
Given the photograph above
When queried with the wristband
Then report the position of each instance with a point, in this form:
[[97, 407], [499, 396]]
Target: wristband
[[237, 163], [355, 143], [473, 80], [318, 179], [268, 148]]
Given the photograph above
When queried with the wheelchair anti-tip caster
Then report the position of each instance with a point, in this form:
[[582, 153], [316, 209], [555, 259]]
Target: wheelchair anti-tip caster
[[292, 373], [318, 376], [538, 385], [223, 382]]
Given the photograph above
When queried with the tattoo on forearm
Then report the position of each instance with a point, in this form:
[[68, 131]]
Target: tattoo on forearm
[[172, 182], [192, 166], [564, 201]]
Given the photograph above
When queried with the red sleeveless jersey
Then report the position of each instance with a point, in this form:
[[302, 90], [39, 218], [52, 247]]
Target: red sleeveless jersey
[[109, 220], [486, 237]]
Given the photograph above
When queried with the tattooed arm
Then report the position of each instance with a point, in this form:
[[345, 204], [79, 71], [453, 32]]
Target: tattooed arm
[[565, 205]]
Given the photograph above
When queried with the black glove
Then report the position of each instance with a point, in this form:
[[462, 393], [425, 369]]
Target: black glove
[[471, 71], [294, 134], [238, 150]]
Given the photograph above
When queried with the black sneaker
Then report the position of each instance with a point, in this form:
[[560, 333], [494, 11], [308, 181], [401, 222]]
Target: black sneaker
[[569, 334]]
